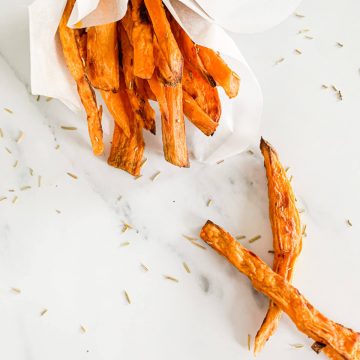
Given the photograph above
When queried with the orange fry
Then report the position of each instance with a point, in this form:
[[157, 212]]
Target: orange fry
[[74, 62], [220, 72], [126, 152], [143, 111], [172, 121], [166, 41], [201, 91], [286, 229], [102, 62], [341, 342], [116, 105], [197, 115], [190, 50], [142, 40]]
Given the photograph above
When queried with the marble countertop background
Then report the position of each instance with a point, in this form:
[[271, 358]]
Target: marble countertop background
[[61, 241]]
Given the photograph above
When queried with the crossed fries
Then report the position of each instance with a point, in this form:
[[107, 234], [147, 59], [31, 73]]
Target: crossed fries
[[335, 340]]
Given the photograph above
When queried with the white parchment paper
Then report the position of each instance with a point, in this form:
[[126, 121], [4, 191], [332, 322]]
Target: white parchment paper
[[201, 19]]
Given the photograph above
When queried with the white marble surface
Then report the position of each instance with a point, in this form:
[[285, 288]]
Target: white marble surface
[[73, 263]]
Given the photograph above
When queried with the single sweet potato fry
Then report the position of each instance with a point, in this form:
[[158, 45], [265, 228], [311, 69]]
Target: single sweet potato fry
[[190, 50], [166, 41], [141, 106], [74, 62], [127, 23], [201, 91], [198, 116], [142, 40], [220, 72], [127, 151], [116, 105], [102, 60], [172, 121], [144, 90], [341, 341], [286, 229], [161, 63]]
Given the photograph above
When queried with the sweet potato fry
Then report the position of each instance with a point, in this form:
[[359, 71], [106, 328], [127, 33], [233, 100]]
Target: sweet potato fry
[[189, 50], [116, 105], [126, 152], [102, 60], [220, 72], [166, 41], [340, 341], [142, 40], [143, 89], [172, 121], [201, 91], [74, 62], [127, 23], [286, 229], [143, 111], [198, 116]]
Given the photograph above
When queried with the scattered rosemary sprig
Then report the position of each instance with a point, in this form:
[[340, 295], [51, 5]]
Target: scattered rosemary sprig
[[16, 290], [65, 127], [171, 278], [144, 267], [58, 211], [8, 110], [299, 52], [72, 175], [143, 162], [127, 297], [278, 61], [209, 202], [15, 164], [125, 243], [255, 238], [198, 245], [1, 133], [220, 161], [191, 238], [249, 342], [303, 31], [8, 150], [297, 346], [39, 180], [20, 137], [349, 222], [43, 312], [339, 44], [271, 251], [14, 200], [308, 37], [126, 227], [155, 176], [240, 237], [49, 98], [2, 198], [23, 188], [38, 98], [31, 171], [83, 329], [186, 267], [299, 15]]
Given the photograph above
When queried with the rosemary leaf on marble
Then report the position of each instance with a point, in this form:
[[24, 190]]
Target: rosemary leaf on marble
[[72, 175], [155, 176], [171, 278], [255, 238], [349, 222], [43, 312], [8, 110], [20, 137], [145, 268], [186, 267], [71, 128], [127, 297]]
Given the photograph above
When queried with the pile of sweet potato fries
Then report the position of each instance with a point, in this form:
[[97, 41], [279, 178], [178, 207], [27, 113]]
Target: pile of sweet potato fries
[[333, 339], [145, 56]]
